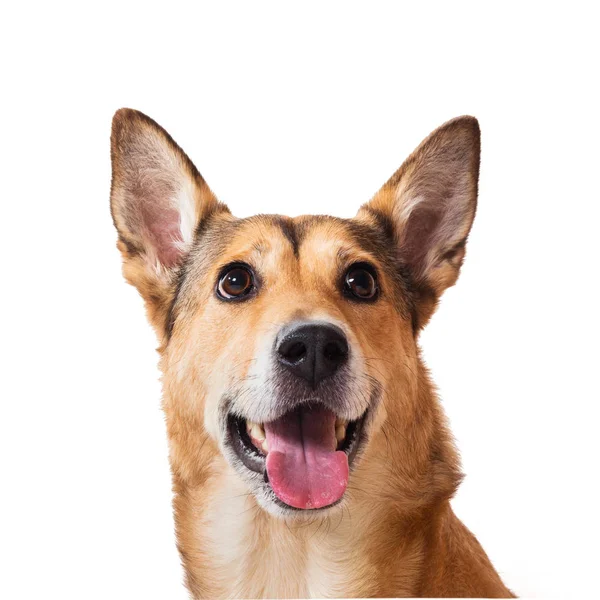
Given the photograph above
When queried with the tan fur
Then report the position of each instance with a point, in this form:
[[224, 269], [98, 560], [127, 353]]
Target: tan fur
[[394, 534]]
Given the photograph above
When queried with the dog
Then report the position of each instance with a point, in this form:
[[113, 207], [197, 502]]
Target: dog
[[310, 456]]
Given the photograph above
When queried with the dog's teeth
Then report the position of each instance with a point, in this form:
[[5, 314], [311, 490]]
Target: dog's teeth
[[340, 432], [340, 429], [256, 431], [265, 446]]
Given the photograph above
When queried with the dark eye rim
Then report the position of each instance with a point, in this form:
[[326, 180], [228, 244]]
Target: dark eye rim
[[249, 293], [369, 268]]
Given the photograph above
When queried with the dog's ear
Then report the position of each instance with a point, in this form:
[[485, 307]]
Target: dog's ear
[[158, 199], [429, 204]]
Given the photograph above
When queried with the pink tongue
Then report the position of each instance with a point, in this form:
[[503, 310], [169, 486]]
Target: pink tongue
[[304, 469]]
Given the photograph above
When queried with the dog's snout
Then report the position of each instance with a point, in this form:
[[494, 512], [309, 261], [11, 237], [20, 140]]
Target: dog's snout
[[313, 351]]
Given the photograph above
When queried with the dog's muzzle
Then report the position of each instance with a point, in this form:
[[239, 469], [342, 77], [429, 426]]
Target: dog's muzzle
[[304, 443]]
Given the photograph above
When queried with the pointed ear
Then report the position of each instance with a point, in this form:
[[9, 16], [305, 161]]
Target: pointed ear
[[157, 200], [430, 202]]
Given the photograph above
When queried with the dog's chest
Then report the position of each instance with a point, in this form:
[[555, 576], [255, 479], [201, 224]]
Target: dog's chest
[[256, 557]]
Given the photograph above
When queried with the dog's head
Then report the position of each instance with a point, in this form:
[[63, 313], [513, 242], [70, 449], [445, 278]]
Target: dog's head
[[287, 344]]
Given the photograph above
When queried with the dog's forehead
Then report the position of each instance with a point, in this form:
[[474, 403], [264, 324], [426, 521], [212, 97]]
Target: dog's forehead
[[270, 239]]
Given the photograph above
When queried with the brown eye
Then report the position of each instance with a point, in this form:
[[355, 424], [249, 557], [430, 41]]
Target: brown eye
[[360, 282], [235, 283]]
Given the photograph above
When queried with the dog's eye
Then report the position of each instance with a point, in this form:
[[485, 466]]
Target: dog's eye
[[360, 281], [235, 283]]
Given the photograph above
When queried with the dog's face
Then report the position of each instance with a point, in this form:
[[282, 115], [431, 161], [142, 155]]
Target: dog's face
[[289, 326], [288, 343]]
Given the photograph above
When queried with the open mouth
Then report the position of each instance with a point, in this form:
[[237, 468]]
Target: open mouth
[[304, 456]]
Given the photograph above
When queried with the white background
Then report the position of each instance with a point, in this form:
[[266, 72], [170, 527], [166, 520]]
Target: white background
[[295, 108]]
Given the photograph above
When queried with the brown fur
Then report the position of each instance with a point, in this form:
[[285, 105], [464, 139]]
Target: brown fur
[[395, 533]]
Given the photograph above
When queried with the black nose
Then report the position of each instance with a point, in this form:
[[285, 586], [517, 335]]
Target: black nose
[[313, 351]]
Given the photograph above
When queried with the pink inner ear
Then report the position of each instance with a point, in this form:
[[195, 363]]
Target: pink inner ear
[[164, 232], [419, 235]]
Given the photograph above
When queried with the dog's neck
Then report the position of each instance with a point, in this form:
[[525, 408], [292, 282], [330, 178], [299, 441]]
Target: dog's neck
[[232, 547]]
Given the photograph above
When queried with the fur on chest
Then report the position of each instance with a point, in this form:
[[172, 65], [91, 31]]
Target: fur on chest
[[253, 554], [249, 553]]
